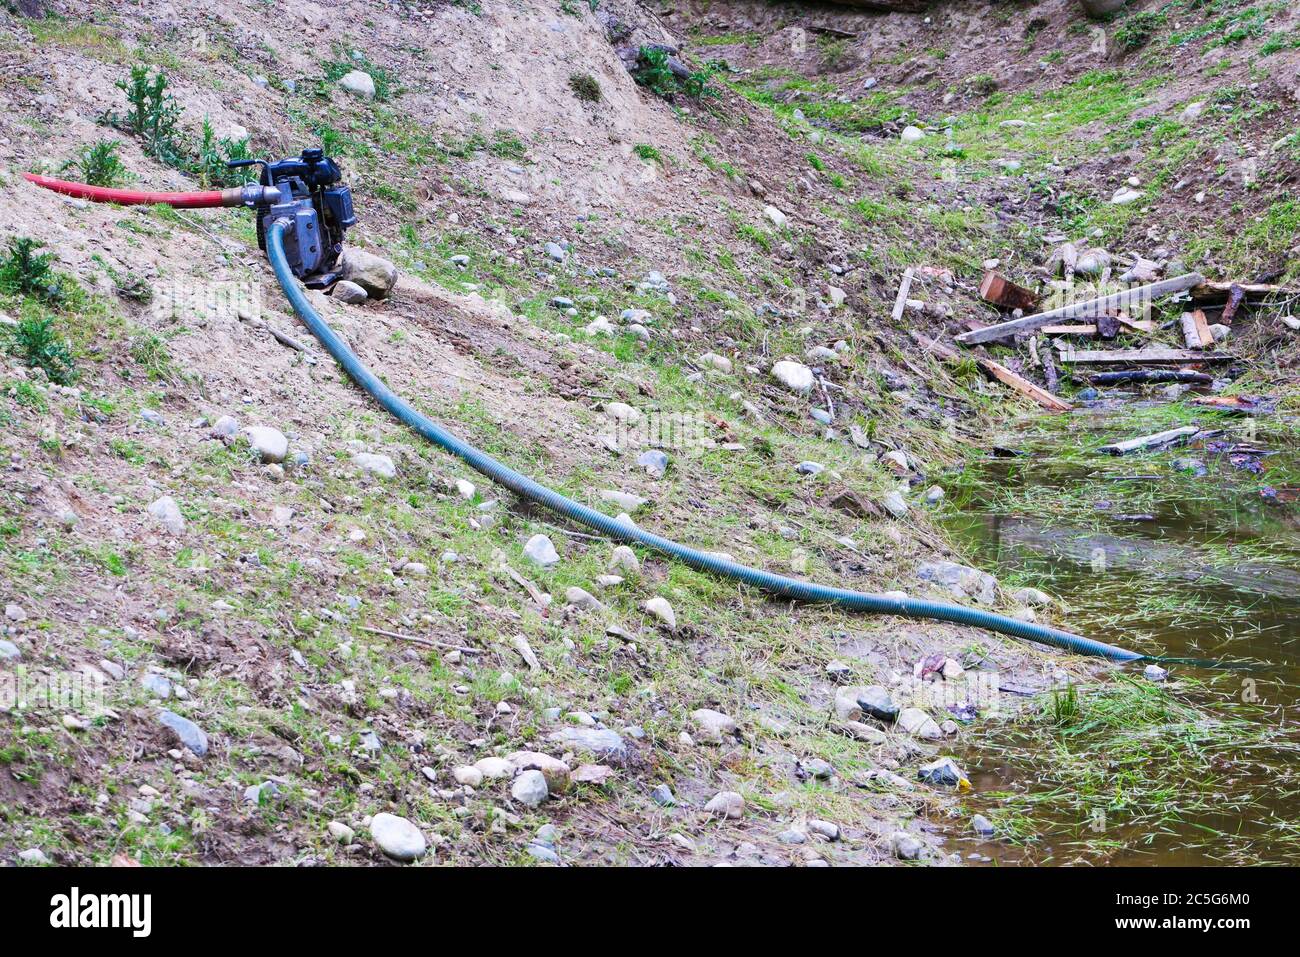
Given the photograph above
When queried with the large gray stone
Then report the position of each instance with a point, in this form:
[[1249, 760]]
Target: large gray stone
[[187, 732], [397, 837], [375, 274]]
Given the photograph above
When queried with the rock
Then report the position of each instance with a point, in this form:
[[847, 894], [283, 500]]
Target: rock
[[795, 376], [381, 465], [157, 685], [225, 427], [933, 495], [467, 775], [775, 216], [895, 504], [875, 702], [911, 134], [257, 793], [33, 855], [168, 514], [822, 770], [1155, 673], [623, 559], [349, 292], [596, 774], [580, 598], [1192, 111], [726, 805], [904, 846], [960, 581], [713, 725], [529, 788], [358, 83], [601, 742], [1125, 195], [809, 468], [555, 251], [663, 796], [622, 412], [555, 771], [661, 609], [15, 612], [397, 837], [9, 651], [793, 836], [982, 825], [187, 732], [1032, 597], [375, 274], [540, 551], [624, 500], [493, 768], [270, 444], [919, 724], [1101, 8], [654, 462], [826, 829], [714, 361], [944, 772], [415, 570], [341, 832], [862, 732], [543, 853]]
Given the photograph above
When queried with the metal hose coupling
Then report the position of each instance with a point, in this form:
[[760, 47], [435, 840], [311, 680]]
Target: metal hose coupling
[[251, 195]]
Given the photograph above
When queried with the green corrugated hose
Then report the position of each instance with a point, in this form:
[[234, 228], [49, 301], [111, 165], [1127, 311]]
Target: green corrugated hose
[[523, 486]]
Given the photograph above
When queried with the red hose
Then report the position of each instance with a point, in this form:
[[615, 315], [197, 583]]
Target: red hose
[[132, 197]]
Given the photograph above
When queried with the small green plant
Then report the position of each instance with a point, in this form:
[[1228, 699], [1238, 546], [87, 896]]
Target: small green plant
[[100, 165], [1064, 708], [655, 72], [1138, 28], [25, 272], [648, 153], [153, 114], [39, 346], [507, 145], [982, 83], [585, 87], [214, 153]]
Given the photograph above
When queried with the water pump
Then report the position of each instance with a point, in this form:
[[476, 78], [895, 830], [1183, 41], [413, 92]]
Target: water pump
[[308, 192]]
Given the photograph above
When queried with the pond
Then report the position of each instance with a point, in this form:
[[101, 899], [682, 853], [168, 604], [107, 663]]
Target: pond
[[1190, 553]]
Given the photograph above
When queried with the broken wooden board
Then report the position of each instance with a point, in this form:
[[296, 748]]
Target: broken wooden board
[[1141, 376], [1103, 305], [1002, 292], [1157, 355], [1071, 329], [1196, 331], [1219, 291], [1150, 441], [904, 287], [998, 371]]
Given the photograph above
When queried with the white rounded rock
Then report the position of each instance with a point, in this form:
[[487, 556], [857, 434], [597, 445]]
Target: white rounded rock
[[397, 837]]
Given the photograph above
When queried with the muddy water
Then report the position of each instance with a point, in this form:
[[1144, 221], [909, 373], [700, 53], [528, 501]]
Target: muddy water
[[1169, 563]]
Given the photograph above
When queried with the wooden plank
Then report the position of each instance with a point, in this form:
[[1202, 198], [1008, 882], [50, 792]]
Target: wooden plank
[[1137, 325], [1158, 355], [900, 301], [1071, 329], [1024, 386], [1191, 338], [1150, 441], [1202, 329], [998, 371], [1214, 291], [1103, 305], [1001, 291]]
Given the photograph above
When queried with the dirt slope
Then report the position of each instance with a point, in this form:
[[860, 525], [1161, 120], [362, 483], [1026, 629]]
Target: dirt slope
[[258, 620]]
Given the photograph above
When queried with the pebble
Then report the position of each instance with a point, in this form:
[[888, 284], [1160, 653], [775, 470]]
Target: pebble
[[15, 612], [726, 804], [33, 855], [601, 742], [795, 376], [189, 734], [663, 796], [623, 559], [919, 724], [654, 462], [167, 513], [911, 134], [715, 361], [714, 725], [270, 444], [467, 775], [157, 685], [529, 788], [580, 598], [661, 609], [904, 846], [381, 465], [826, 829], [9, 651], [624, 500], [349, 292], [895, 504], [1032, 597], [540, 551], [933, 495], [341, 832], [555, 251], [981, 825], [555, 771], [1155, 673], [358, 83], [775, 216], [492, 768], [397, 837], [810, 468], [225, 427]]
